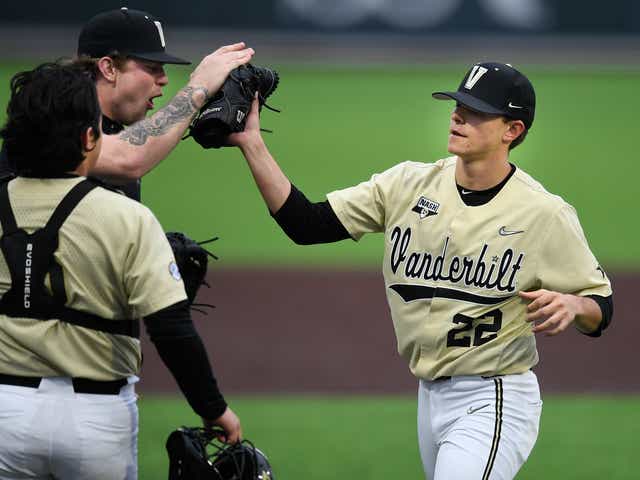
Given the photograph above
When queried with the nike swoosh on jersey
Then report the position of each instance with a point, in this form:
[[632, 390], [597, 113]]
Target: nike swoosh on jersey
[[504, 232], [475, 409], [466, 192]]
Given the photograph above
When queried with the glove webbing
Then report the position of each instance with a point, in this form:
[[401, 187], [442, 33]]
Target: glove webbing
[[204, 282]]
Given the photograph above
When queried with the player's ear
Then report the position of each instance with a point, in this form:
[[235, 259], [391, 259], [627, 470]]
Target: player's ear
[[514, 130], [89, 139], [107, 68]]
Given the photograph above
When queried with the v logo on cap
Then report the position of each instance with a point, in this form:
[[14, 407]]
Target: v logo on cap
[[159, 27], [476, 74]]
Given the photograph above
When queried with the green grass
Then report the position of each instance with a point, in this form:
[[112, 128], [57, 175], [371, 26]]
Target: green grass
[[339, 125], [374, 438]]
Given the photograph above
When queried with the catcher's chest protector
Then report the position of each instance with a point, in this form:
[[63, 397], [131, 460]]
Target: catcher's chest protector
[[30, 257]]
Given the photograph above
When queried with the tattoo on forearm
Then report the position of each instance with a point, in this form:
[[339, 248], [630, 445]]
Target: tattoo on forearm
[[182, 106]]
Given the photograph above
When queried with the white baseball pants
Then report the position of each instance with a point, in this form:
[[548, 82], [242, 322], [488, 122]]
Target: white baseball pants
[[477, 428], [51, 432]]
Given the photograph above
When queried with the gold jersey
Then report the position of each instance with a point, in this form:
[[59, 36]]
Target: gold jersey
[[116, 264], [452, 271]]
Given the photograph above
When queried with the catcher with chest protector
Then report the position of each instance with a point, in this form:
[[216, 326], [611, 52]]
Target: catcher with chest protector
[[75, 278]]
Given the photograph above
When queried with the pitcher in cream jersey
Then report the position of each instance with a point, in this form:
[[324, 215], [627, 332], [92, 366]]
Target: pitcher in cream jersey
[[478, 258]]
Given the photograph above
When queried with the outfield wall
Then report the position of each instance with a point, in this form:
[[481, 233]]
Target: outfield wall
[[418, 17]]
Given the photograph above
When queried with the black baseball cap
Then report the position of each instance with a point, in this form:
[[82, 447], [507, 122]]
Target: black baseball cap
[[133, 33], [495, 88]]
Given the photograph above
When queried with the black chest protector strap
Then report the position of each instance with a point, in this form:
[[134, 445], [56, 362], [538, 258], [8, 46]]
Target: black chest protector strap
[[30, 257]]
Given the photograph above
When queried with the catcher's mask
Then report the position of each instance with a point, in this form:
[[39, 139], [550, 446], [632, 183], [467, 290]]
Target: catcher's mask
[[196, 454]]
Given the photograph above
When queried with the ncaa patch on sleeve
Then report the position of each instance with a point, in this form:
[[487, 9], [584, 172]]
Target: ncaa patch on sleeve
[[174, 271]]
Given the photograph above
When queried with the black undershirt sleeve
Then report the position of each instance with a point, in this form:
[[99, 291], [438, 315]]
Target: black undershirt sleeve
[[182, 351], [307, 223], [5, 167], [606, 307]]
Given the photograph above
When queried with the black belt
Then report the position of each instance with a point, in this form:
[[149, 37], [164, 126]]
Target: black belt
[[80, 385], [448, 377]]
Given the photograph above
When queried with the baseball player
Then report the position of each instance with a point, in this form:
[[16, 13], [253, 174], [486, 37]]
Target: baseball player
[[478, 258], [124, 50], [80, 265]]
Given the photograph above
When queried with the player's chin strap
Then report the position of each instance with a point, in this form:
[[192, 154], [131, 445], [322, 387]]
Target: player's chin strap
[[204, 282]]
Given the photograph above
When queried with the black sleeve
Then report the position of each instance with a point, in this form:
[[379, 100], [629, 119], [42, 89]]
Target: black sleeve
[[606, 307], [5, 167], [182, 351], [307, 223]]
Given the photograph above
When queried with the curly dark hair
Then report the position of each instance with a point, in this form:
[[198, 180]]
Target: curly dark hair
[[50, 108]]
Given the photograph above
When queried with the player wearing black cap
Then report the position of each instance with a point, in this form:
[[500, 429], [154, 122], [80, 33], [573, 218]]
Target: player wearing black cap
[[80, 265], [478, 258], [132, 33], [124, 50]]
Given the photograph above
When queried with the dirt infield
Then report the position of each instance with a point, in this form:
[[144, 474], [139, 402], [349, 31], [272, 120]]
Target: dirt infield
[[295, 331]]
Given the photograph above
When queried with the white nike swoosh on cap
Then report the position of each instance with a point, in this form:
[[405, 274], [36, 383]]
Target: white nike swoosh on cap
[[511, 105]]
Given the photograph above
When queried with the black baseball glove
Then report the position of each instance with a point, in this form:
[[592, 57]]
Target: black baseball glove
[[195, 454], [192, 261], [227, 111]]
